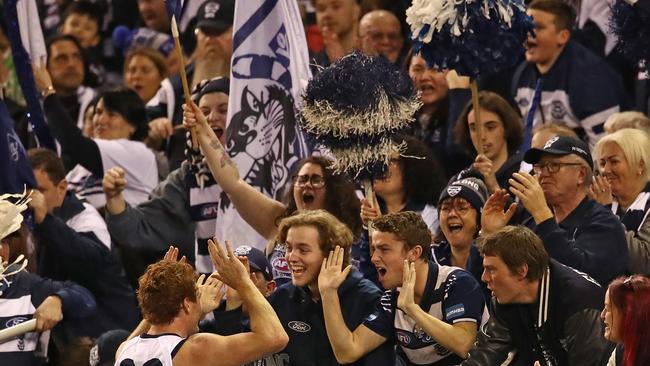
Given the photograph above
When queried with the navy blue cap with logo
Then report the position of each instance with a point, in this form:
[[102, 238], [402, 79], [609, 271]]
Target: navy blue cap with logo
[[216, 16], [256, 259], [560, 145]]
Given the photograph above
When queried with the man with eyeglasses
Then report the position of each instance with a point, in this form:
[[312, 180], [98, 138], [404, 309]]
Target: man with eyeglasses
[[576, 230], [380, 34]]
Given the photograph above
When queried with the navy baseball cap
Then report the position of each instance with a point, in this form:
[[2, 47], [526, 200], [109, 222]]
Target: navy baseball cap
[[256, 259], [560, 145], [216, 15], [103, 352]]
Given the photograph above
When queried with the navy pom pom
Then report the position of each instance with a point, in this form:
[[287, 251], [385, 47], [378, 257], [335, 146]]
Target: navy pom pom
[[355, 81], [631, 24], [122, 37], [353, 107], [472, 36]]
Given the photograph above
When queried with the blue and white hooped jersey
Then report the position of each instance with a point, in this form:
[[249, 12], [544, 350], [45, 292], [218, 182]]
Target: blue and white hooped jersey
[[451, 294], [150, 350]]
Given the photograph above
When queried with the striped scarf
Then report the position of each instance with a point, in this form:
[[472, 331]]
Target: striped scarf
[[637, 213]]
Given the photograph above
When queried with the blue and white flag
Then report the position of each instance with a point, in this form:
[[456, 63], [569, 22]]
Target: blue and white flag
[[27, 47], [269, 71], [16, 172], [174, 8]]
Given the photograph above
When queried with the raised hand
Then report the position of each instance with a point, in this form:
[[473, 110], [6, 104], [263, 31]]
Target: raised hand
[[172, 255], [39, 205], [42, 77], [527, 188], [493, 216], [210, 292], [368, 212], [406, 298], [485, 166], [230, 270], [114, 182], [193, 117], [601, 191], [160, 129], [331, 276]]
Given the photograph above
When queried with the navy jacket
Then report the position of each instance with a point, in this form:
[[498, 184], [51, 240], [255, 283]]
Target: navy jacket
[[67, 255], [303, 320], [580, 90], [591, 239], [562, 328]]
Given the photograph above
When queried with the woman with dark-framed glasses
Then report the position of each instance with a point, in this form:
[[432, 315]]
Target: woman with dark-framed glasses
[[308, 191]]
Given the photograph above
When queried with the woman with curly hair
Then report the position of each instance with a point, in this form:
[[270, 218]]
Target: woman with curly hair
[[413, 183], [501, 137], [627, 320], [313, 187]]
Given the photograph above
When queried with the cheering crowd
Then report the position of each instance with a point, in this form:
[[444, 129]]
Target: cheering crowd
[[515, 234]]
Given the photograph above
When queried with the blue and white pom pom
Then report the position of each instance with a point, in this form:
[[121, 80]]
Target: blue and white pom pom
[[471, 36], [353, 107], [631, 24]]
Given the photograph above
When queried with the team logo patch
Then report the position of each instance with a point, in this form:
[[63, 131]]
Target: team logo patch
[[550, 142], [523, 102], [454, 190], [211, 9], [15, 321], [558, 111], [403, 337], [455, 311], [242, 251], [299, 326]]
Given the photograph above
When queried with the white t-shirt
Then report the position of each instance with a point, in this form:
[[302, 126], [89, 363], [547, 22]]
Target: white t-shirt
[[138, 162]]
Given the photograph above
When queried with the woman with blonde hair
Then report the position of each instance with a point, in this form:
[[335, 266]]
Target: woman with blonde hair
[[623, 159]]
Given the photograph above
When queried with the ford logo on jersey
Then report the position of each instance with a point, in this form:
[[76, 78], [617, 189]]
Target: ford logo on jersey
[[15, 321], [403, 338], [299, 326]]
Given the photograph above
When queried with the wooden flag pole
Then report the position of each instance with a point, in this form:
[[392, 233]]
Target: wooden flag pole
[[186, 88], [477, 119]]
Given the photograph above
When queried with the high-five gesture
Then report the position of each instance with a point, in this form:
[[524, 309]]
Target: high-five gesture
[[331, 276], [230, 270], [210, 293]]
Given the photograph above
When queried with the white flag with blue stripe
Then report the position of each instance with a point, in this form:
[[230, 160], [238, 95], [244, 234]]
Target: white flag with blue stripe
[[269, 71]]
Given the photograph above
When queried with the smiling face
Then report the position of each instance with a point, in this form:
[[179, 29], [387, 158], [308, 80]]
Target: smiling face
[[304, 255], [615, 168], [142, 75], [307, 196], [613, 318], [431, 84], [458, 222], [83, 28], [379, 34], [563, 183], [493, 137], [110, 125], [215, 108]]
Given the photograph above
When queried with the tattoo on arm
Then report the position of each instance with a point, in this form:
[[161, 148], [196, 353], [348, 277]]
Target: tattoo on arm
[[224, 159]]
